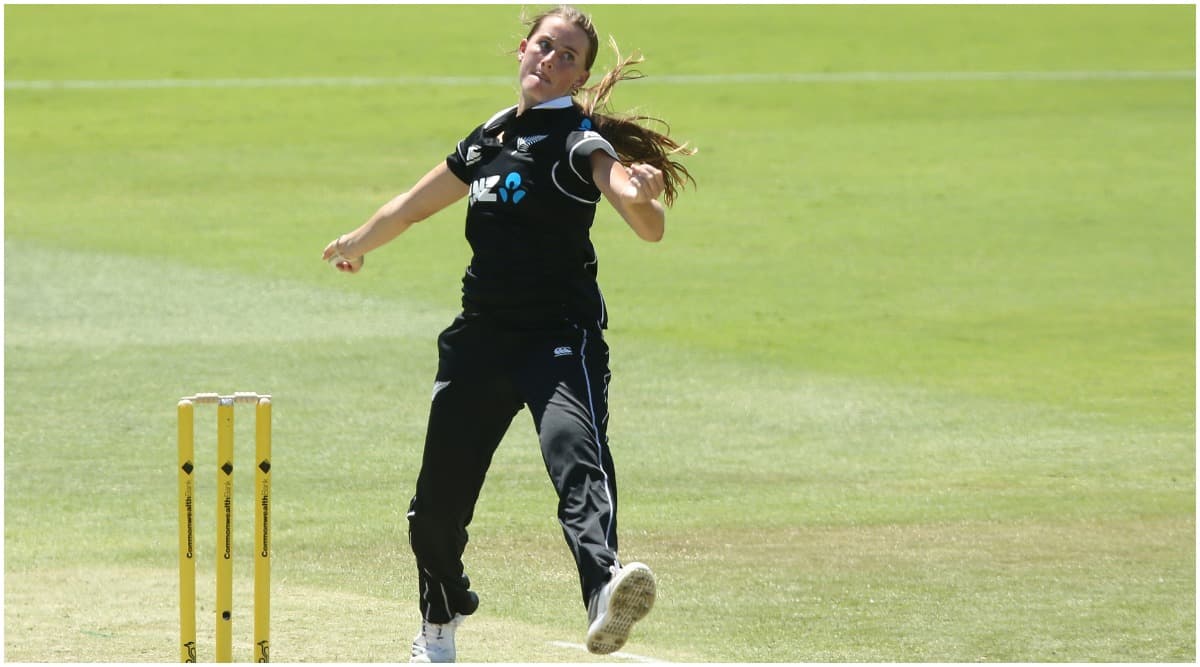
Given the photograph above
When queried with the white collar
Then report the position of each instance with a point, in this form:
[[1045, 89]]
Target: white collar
[[556, 103]]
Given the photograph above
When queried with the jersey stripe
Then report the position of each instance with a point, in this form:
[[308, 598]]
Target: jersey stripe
[[563, 190]]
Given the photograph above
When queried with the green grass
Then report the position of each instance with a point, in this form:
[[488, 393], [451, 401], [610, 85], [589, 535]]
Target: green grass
[[911, 378]]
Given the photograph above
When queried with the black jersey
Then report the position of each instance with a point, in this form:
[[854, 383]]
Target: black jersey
[[530, 209]]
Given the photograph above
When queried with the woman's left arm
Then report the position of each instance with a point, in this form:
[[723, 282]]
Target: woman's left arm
[[634, 192]]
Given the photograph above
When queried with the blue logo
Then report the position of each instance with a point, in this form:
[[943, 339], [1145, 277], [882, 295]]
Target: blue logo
[[586, 124], [511, 188]]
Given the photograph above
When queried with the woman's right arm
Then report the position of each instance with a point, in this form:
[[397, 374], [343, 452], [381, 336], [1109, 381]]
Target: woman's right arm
[[434, 192]]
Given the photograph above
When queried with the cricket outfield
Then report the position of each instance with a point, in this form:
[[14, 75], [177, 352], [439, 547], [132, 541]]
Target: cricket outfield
[[911, 377]]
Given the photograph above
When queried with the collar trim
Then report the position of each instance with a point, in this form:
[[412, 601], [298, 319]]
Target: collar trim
[[556, 103]]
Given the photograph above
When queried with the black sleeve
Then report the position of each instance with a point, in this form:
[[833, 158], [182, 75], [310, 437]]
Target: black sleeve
[[580, 146], [465, 156], [573, 176]]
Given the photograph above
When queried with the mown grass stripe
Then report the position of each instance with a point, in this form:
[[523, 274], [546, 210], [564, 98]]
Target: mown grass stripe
[[674, 79]]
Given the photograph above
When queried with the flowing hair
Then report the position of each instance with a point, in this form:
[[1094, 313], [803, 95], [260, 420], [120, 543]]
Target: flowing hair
[[628, 133]]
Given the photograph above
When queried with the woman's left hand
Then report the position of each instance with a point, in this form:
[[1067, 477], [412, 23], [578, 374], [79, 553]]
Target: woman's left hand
[[645, 183], [633, 191]]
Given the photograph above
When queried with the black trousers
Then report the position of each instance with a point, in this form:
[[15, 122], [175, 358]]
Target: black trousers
[[486, 373]]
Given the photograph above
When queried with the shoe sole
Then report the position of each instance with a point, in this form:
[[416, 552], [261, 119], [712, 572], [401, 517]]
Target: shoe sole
[[632, 597]]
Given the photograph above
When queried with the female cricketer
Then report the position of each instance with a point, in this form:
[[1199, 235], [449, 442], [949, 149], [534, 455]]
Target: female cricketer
[[531, 329]]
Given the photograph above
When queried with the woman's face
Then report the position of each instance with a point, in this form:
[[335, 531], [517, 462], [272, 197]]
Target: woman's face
[[552, 61]]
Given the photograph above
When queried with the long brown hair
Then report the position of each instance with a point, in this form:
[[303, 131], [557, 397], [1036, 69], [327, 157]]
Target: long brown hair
[[632, 139]]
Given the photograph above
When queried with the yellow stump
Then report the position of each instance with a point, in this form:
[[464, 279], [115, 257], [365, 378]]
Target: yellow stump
[[262, 532], [225, 530], [187, 543]]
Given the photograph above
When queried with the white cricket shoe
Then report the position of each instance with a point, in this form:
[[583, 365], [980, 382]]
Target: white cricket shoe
[[435, 642], [623, 601]]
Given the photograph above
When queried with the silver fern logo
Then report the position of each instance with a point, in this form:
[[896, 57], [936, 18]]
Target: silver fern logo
[[523, 143]]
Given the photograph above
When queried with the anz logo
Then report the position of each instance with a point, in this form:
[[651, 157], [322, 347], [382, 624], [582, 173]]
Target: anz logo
[[509, 192]]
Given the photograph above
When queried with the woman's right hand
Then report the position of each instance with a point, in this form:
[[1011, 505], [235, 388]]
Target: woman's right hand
[[333, 255]]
